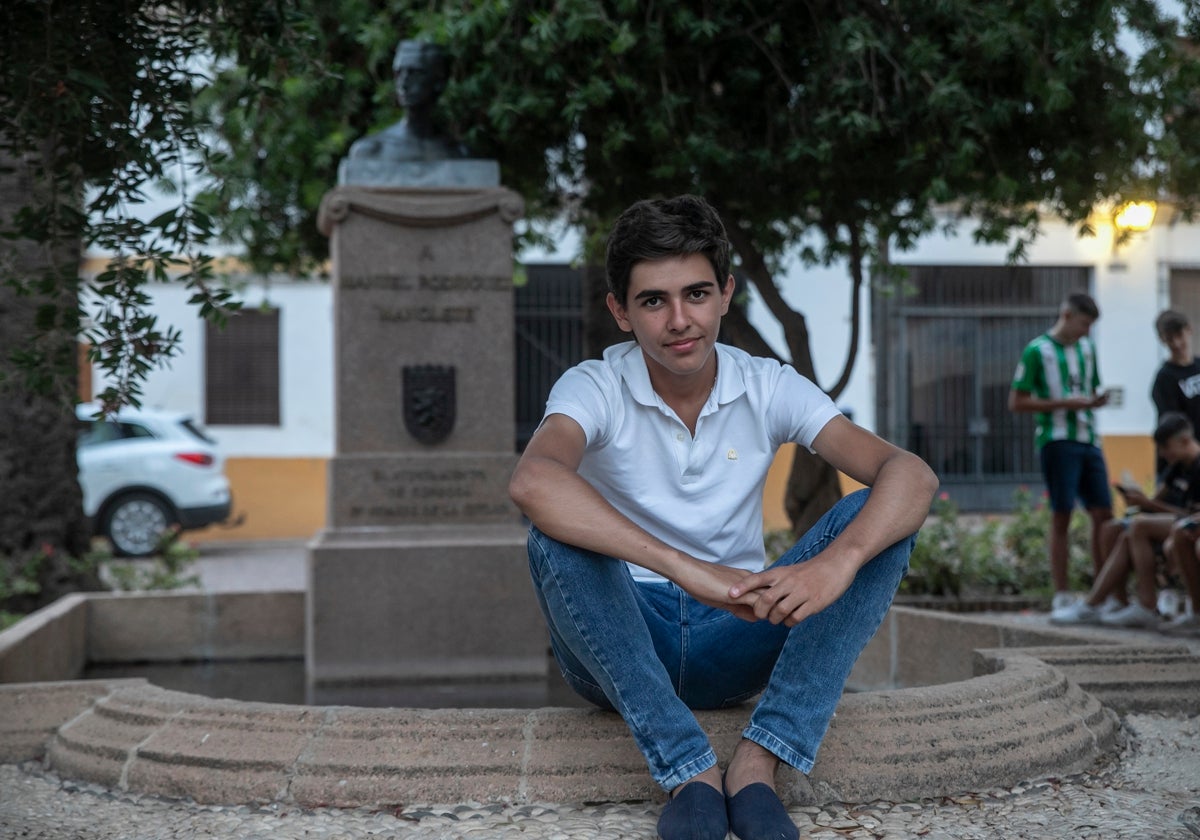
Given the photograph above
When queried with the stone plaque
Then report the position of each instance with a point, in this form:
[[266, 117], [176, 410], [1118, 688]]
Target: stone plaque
[[372, 491]]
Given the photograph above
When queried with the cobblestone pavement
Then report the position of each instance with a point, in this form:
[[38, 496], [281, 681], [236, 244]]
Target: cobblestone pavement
[[1150, 792]]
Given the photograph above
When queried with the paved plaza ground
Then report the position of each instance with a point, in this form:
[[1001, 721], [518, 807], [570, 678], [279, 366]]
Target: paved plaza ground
[[1149, 790]]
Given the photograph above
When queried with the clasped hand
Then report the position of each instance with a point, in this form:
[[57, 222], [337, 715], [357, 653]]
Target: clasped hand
[[781, 594]]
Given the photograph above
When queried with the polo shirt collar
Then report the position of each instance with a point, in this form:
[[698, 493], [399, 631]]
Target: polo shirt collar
[[631, 364]]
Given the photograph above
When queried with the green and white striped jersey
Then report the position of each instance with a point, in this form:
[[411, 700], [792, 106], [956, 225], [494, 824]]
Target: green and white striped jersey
[[1050, 370]]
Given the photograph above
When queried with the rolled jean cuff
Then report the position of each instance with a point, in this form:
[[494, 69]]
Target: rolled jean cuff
[[693, 768], [783, 751]]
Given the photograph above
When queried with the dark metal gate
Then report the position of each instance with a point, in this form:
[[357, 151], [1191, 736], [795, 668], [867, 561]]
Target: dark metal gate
[[549, 338], [948, 348]]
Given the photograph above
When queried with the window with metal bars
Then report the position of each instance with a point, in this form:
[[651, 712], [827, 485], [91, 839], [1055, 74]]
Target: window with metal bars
[[241, 364]]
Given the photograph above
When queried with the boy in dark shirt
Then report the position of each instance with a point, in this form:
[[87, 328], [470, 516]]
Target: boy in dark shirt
[[1177, 383], [1178, 494]]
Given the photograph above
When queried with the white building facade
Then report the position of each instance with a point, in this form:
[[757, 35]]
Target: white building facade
[[276, 458]]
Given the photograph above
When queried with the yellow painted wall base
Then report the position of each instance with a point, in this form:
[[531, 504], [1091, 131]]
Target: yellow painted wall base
[[273, 498], [1132, 454], [775, 516]]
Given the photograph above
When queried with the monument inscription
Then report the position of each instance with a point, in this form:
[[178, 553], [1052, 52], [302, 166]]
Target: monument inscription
[[427, 283], [431, 289], [417, 493], [387, 491]]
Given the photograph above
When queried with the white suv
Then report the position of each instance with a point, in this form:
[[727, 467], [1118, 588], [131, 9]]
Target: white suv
[[143, 471]]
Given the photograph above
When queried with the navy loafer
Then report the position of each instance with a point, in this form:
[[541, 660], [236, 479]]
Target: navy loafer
[[755, 813], [697, 812]]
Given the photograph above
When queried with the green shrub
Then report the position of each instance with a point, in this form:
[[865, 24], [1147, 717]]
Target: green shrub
[[18, 580], [936, 564], [1025, 541], [994, 555], [1005, 555], [167, 569]]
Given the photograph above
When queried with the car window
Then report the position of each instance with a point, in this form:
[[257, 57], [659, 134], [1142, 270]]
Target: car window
[[103, 431], [196, 431], [98, 431], [134, 430]]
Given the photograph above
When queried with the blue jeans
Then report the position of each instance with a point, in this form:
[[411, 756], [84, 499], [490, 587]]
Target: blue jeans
[[653, 653]]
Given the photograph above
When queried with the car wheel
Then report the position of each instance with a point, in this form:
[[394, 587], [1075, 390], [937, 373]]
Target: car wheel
[[135, 523]]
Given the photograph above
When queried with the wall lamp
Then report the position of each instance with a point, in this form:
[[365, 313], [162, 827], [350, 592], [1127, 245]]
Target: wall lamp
[[1135, 216]]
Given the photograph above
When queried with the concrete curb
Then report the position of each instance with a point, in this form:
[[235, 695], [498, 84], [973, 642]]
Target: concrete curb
[[1126, 678], [1026, 719]]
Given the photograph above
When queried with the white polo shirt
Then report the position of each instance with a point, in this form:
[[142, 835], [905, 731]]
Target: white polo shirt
[[701, 494]]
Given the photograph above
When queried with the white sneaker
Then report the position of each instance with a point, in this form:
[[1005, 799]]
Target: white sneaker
[[1182, 625], [1134, 615], [1111, 605], [1076, 612], [1062, 600]]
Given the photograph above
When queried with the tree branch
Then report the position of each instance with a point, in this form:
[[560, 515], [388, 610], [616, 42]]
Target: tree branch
[[856, 282], [795, 328]]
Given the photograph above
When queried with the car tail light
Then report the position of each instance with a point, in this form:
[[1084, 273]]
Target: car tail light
[[200, 459]]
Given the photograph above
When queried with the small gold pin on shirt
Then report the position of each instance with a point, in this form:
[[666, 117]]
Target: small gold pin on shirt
[[731, 455]]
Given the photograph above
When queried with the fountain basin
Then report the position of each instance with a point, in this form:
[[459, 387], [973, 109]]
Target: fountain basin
[[946, 703]]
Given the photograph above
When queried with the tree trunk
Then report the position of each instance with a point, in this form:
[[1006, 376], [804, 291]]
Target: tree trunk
[[42, 526], [600, 329], [812, 489], [812, 486]]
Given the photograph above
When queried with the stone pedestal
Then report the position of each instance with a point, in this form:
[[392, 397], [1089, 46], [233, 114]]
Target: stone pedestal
[[421, 573]]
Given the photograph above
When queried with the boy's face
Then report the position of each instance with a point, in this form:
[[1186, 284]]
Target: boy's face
[[1180, 345], [674, 308], [1075, 325], [1177, 449]]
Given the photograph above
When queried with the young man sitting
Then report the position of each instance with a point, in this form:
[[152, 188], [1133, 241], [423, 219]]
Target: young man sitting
[[1183, 546], [644, 485], [1135, 549]]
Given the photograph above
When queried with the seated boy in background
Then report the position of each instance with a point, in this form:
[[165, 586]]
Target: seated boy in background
[[1179, 492], [1182, 547]]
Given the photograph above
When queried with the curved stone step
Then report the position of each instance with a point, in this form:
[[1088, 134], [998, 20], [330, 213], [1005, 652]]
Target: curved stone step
[[1023, 721]]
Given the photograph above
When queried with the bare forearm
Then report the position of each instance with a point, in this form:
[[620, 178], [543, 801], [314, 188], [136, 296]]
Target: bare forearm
[[1021, 402], [563, 505], [898, 505], [1156, 505]]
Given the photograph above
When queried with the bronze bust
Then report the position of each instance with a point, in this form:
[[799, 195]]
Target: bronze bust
[[419, 71]]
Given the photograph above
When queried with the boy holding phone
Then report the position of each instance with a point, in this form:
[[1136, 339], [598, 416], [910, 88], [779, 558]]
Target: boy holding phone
[[1058, 381]]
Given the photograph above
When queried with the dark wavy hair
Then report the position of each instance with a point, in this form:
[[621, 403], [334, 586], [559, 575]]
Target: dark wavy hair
[[1172, 423], [655, 229], [1083, 304], [1170, 323]]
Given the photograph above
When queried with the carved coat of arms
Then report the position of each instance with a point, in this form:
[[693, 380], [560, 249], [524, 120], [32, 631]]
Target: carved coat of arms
[[429, 403]]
